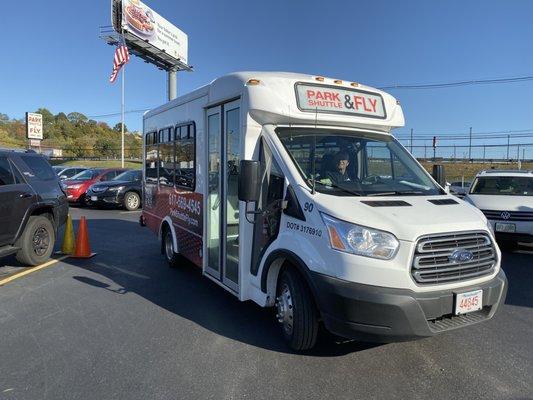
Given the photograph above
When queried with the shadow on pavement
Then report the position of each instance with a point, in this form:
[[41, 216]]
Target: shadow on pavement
[[129, 256], [518, 266]]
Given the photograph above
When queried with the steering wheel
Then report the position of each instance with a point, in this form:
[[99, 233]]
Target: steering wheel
[[370, 179]]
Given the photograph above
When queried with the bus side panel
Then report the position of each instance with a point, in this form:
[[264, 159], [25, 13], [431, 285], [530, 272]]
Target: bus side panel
[[186, 212], [183, 208]]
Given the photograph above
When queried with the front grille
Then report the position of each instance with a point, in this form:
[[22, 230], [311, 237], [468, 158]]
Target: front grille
[[511, 215], [98, 189], [432, 263]]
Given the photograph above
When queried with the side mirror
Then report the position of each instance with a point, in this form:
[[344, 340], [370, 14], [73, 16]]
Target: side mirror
[[439, 175], [249, 181], [63, 177]]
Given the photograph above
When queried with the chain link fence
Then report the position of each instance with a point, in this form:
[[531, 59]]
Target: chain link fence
[[479, 153]]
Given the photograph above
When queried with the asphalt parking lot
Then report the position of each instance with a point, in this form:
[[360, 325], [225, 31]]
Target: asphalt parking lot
[[123, 325]]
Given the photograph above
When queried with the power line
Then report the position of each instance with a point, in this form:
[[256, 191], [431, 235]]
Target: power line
[[443, 85], [118, 113]]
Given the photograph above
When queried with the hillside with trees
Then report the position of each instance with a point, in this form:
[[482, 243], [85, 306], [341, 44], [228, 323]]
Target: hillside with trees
[[74, 133]]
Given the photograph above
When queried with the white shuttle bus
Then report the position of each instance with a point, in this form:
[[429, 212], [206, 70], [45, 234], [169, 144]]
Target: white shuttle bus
[[290, 190]]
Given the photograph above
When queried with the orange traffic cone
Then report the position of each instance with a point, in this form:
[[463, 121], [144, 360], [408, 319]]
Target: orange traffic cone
[[83, 248]]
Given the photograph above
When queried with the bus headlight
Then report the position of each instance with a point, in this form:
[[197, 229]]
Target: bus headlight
[[360, 240]]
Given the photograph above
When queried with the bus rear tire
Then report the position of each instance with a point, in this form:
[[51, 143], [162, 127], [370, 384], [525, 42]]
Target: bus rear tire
[[173, 258], [296, 311]]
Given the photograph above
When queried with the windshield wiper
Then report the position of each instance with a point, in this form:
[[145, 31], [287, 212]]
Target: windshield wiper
[[335, 186], [397, 193]]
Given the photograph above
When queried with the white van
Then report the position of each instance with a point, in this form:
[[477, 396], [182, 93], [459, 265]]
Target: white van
[[289, 190], [506, 199]]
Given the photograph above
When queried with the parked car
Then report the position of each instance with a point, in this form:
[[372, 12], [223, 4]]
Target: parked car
[[69, 172], [124, 190], [77, 186], [32, 206], [459, 188], [506, 199], [58, 168]]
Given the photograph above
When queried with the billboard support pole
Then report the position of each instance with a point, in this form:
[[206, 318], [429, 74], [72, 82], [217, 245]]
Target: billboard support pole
[[172, 84]]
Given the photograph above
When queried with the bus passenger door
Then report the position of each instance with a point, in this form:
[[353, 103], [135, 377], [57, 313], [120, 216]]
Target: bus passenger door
[[224, 145]]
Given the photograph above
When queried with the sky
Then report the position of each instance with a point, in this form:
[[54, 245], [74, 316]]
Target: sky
[[54, 58]]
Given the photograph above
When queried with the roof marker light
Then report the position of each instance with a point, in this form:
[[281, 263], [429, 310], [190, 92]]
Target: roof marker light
[[338, 81], [319, 78], [253, 82], [354, 84]]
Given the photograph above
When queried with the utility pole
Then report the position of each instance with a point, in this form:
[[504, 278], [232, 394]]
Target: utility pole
[[470, 146]]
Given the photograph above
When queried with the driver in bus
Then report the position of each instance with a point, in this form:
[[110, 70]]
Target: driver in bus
[[340, 174]]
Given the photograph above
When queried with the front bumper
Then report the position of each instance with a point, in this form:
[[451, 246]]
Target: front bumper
[[105, 198], [378, 314]]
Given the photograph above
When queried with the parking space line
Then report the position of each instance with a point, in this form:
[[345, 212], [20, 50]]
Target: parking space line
[[31, 270]]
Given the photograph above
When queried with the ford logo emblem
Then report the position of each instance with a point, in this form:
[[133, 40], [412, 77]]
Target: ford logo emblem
[[505, 215], [461, 256]]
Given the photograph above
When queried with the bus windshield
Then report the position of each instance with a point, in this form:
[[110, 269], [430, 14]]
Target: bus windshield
[[503, 185], [351, 163]]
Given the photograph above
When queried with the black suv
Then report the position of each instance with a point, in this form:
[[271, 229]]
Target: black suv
[[32, 206]]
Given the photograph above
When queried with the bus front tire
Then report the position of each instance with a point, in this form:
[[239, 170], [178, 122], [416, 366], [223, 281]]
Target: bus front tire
[[296, 311]]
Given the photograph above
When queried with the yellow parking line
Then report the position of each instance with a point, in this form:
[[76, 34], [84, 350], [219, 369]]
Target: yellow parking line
[[31, 270]]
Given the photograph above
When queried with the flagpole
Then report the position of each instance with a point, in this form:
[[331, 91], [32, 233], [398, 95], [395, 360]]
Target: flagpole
[[122, 112]]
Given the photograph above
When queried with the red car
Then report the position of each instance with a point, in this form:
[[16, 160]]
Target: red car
[[77, 186]]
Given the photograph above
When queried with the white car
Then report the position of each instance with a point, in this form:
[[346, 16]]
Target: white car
[[506, 199]]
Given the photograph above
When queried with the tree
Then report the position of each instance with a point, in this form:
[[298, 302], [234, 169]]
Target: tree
[[76, 117], [104, 147], [4, 118], [48, 117], [118, 127], [61, 117]]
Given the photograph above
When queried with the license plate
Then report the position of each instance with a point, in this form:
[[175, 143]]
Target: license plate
[[94, 198], [504, 227], [468, 302]]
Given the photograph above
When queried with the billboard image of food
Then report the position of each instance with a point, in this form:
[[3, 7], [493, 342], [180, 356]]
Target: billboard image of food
[[141, 21]]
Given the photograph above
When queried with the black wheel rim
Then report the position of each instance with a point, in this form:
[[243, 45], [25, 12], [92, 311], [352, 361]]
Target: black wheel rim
[[41, 241]]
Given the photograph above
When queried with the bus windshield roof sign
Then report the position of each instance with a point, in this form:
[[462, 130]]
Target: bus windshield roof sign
[[335, 100]]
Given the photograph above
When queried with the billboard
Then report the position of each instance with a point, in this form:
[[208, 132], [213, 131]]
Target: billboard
[[136, 18], [34, 126]]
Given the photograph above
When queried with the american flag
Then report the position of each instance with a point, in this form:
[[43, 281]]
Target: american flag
[[122, 56]]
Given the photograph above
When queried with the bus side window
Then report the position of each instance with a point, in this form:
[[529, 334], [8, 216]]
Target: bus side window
[[266, 228], [166, 157], [184, 162], [151, 158]]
